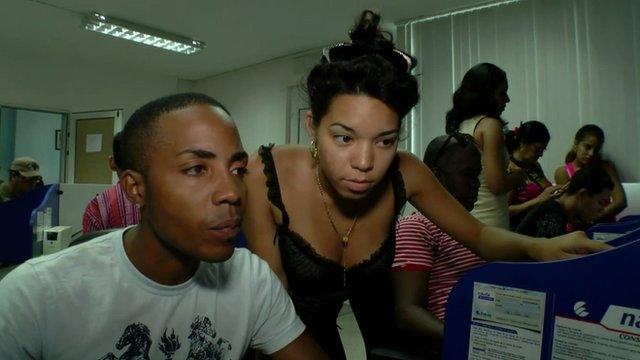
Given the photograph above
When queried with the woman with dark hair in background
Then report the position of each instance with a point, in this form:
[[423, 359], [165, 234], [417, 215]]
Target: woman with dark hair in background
[[525, 145], [585, 151], [477, 106], [324, 217]]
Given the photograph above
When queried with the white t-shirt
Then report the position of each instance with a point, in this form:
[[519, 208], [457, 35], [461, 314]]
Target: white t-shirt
[[90, 302]]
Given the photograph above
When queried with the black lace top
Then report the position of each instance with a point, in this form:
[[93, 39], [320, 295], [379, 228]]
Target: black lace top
[[318, 286]]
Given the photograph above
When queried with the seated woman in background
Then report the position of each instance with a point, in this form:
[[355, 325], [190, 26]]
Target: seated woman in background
[[525, 145], [477, 106], [429, 262], [586, 151], [587, 195]]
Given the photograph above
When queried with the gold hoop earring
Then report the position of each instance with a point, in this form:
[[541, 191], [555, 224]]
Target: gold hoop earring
[[314, 150]]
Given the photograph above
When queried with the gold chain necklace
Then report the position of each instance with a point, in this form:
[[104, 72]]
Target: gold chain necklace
[[347, 235]]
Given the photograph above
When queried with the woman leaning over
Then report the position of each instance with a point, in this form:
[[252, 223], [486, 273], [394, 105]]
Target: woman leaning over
[[324, 217]]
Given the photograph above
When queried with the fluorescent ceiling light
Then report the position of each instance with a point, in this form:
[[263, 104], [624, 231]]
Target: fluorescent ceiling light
[[141, 34]]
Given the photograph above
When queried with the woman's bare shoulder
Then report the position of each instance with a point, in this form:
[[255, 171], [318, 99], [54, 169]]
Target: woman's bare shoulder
[[560, 175], [489, 123], [286, 159], [406, 158]]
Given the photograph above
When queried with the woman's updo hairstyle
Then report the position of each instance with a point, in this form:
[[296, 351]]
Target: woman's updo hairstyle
[[368, 65], [528, 133]]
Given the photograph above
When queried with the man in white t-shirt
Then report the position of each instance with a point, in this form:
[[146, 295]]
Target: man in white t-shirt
[[172, 287]]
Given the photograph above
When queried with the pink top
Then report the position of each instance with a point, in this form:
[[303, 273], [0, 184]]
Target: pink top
[[534, 184], [571, 169]]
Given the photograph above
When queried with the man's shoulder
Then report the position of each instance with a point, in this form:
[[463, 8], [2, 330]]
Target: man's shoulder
[[549, 205], [246, 263], [550, 209], [110, 192], [421, 222], [76, 259], [243, 273]]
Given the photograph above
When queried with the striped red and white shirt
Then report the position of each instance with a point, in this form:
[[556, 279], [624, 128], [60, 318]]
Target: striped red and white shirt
[[110, 210], [422, 246]]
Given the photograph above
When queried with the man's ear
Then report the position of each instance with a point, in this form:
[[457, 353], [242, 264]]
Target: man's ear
[[132, 183], [311, 127], [112, 163]]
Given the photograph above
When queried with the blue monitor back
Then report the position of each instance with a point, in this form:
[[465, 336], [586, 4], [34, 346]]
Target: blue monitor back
[[536, 310]]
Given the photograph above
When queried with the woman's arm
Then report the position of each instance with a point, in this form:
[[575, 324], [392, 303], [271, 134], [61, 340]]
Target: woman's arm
[[618, 197], [491, 140], [561, 176], [411, 312], [258, 223], [433, 201], [550, 192]]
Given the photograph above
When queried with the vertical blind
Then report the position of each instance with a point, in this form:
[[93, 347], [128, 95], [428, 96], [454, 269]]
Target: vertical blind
[[568, 63]]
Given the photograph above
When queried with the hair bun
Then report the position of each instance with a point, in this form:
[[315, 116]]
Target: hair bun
[[367, 32]]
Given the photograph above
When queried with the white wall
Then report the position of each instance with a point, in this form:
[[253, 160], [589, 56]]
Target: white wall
[[35, 137], [256, 96], [39, 82], [545, 82]]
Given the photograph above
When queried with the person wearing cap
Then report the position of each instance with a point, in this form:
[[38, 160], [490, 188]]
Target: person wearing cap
[[24, 176]]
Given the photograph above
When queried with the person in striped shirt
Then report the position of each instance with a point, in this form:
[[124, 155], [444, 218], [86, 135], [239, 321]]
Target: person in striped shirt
[[428, 262], [110, 209]]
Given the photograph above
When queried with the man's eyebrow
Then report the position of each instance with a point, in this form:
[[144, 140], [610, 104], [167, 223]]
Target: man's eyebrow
[[201, 153], [239, 156]]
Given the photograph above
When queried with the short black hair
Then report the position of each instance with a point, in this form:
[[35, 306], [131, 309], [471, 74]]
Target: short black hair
[[442, 146], [138, 131], [116, 151], [593, 178]]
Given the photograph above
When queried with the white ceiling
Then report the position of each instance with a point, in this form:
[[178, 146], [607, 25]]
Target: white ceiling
[[237, 33]]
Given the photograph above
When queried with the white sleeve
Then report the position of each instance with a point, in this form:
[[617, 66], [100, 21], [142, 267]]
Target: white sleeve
[[277, 323], [21, 303]]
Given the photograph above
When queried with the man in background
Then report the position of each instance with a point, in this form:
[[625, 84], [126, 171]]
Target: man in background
[[429, 262], [24, 176], [584, 201], [111, 209]]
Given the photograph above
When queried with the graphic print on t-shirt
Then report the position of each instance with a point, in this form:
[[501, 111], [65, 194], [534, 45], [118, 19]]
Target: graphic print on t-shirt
[[204, 342]]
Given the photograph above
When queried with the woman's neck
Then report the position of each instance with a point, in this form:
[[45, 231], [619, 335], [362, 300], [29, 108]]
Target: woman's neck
[[350, 207], [577, 165], [519, 160]]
